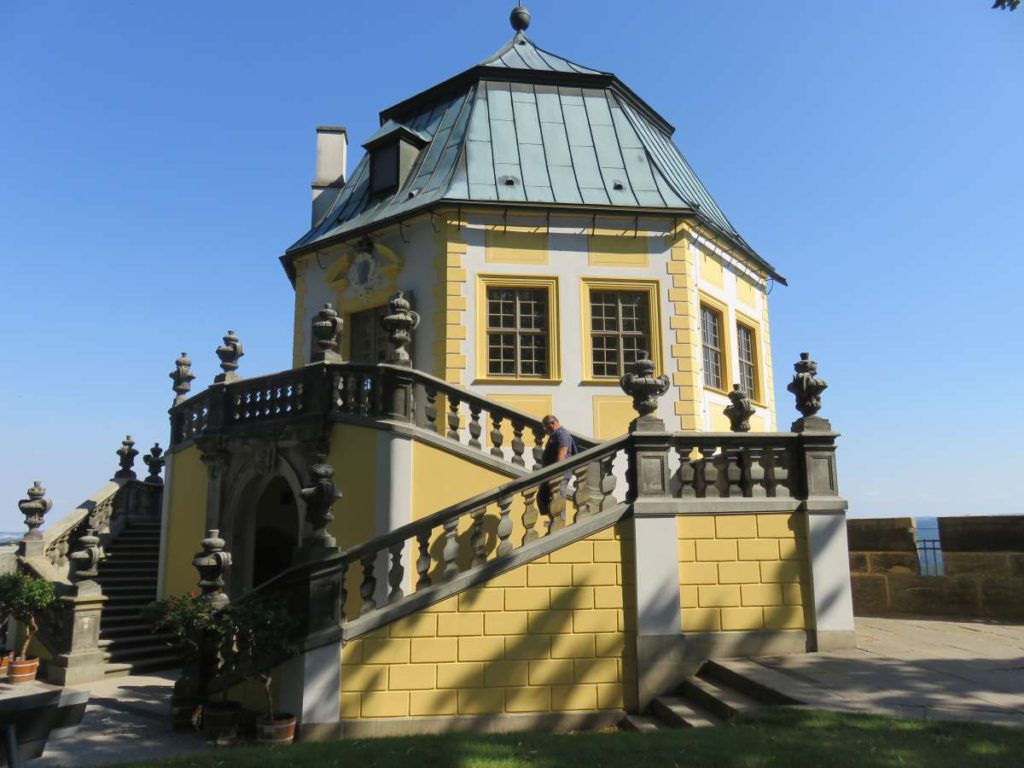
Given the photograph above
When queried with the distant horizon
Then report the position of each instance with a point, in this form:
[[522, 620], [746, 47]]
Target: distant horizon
[[161, 163]]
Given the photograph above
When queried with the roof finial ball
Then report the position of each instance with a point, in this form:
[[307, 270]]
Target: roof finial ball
[[520, 18]]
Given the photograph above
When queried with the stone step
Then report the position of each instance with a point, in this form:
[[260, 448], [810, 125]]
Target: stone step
[[750, 678], [138, 570], [639, 723], [122, 556], [118, 620], [129, 590], [117, 670], [154, 663], [128, 629], [719, 700], [676, 712], [133, 654], [131, 640]]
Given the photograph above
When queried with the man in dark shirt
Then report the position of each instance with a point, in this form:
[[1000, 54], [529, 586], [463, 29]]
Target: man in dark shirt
[[559, 447]]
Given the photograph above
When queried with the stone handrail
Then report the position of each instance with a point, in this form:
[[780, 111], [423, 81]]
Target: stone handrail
[[60, 538], [357, 391], [450, 550], [730, 464]]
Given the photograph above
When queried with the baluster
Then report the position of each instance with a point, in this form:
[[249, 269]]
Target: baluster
[[744, 470], [700, 474], [377, 383], [581, 497], [608, 482], [451, 549], [734, 470], [477, 540], [720, 461], [557, 504], [687, 472], [518, 446], [767, 464], [755, 457], [423, 561], [350, 392], [343, 591], [364, 395], [496, 437], [538, 447], [368, 588], [474, 426], [504, 527], [530, 515], [453, 418], [396, 573], [782, 472], [430, 407]]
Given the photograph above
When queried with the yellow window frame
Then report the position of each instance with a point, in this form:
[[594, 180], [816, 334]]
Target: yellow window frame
[[543, 282], [725, 342], [755, 331], [653, 290]]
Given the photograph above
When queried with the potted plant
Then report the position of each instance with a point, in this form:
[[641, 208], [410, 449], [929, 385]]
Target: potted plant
[[197, 626], [262, 629], [24, 598]]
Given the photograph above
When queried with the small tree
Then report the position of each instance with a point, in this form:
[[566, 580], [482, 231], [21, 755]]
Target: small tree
[[263, 628], [187, 617], [25, 598]]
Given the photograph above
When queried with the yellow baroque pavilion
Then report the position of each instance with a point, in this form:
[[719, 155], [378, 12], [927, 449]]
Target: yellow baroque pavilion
[[523, 238]]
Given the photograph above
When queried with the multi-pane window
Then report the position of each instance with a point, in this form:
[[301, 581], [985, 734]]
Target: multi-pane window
[[517, 332], [747, 359], [711, 342], [620, 328]]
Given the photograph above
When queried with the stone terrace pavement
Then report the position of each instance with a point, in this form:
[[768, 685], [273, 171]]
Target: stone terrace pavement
[[903, 667], [965, 670], [128, 719]]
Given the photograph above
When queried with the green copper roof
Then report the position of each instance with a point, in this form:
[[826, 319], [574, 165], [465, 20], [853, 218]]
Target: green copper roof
[[529, 127]]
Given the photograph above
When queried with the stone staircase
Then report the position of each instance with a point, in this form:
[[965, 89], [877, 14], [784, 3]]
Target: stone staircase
[[128, 578], [717, 693]]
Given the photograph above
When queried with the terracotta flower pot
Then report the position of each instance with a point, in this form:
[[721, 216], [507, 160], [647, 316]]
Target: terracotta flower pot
[[5, 661], [220, 722], [280, 730], [23, 670]]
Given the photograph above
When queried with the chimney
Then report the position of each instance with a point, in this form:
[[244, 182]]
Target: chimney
[[331, 159]]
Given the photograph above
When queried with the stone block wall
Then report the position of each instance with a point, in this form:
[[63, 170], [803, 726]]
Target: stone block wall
[[743, 573], [551, 636], [984, 584]]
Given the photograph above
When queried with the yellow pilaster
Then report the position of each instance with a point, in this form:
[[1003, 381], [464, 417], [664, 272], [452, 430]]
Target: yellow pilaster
[[686, 349]]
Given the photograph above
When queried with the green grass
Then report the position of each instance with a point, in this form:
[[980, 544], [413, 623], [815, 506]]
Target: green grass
[[780, 737]]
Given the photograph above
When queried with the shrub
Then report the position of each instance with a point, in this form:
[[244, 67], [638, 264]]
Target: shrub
[[25, 597]]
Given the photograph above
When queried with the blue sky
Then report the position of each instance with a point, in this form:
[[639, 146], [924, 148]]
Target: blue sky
[[156, 160]]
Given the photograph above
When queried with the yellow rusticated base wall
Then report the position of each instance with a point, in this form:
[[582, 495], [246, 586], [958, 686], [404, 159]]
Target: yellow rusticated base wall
[[554, 635], [186, 520], [744, 572]]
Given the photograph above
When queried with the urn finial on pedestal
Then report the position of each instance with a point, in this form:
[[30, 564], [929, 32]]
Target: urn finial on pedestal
[[212, 564], [86, 559], [182, 377], [126, 458], [34, 508], [807, 388], [320, 497], [740, 411], [645, 388], [154, 461], [230, 352], [327, 327], [400, 322]]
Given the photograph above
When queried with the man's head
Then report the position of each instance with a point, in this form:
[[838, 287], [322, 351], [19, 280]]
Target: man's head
[[550, 423]]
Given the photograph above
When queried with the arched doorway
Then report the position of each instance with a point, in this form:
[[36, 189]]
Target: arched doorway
[[274, 531]]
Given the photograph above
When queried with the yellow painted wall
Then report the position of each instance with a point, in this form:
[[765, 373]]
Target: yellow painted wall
[[612, 414], [685, 349], [549, 636], [186, 519], [744, 572], [516, 245], [450, 300], [299, 342], [618, 250]]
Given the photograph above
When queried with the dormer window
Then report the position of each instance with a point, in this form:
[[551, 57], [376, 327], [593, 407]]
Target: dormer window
[[393, 151]]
